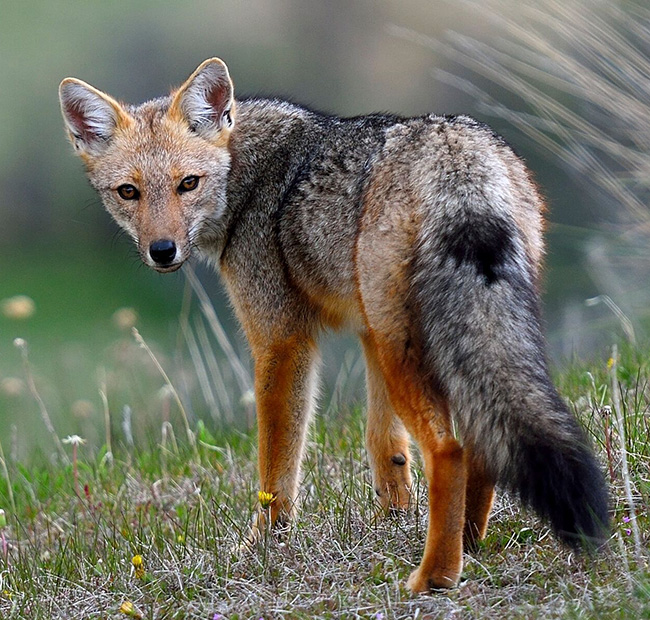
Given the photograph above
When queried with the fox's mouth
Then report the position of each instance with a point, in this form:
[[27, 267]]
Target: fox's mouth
[[168, 268]]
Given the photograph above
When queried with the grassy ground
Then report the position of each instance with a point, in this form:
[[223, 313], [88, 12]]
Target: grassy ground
[[79, 517]]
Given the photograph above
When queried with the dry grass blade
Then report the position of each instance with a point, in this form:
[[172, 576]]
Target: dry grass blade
[[103, 391], [625, 470], [201, 372], [190, 435], [581, 68], [241, 374], [218, 383], [45, 416], [5, 471]]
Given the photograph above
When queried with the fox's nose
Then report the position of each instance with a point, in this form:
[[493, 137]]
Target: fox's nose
[[162, 251]]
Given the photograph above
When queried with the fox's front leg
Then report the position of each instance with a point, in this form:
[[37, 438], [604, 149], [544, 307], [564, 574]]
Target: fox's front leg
[[285, 382]]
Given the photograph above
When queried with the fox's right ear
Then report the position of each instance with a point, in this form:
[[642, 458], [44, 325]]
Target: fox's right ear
[[90, 116], [206, 101]]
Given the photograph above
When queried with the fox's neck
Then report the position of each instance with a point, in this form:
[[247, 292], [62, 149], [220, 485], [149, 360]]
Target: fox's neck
[[267, 149], [273, 140], [282, 153]]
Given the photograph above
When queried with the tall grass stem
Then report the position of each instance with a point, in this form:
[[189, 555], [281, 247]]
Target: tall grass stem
[[241, 374], [5, 471], [107, 414], [625, 470], [45, 416], [190, 435]]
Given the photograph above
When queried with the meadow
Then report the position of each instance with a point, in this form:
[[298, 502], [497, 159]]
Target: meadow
[[128, 459], [143, 514]]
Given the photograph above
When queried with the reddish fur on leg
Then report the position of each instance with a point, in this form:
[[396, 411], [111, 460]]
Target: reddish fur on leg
[[386, 439], [427, 419], [442, 561], [479, 497], [283, 378]]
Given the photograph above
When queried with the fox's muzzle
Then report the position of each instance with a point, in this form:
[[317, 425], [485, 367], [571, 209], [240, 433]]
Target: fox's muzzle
[[164, 255]]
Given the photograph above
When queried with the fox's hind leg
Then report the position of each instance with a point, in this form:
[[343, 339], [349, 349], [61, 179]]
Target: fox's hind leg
[[384, 261], [479, 496], [427, 418], [390, 344], [387, 441]]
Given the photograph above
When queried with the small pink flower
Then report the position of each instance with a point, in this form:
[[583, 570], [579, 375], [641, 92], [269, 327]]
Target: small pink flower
[[626, 519]]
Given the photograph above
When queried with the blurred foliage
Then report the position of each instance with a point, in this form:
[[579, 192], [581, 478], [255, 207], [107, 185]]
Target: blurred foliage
[[338, 56], [59, 247]]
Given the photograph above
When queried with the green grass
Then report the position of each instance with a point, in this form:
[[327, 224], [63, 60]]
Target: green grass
[[69, 545]]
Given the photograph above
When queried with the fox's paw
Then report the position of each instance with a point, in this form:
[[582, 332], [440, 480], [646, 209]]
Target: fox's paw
[[394, 497], [259, 525], [436, 580], [261, 528]]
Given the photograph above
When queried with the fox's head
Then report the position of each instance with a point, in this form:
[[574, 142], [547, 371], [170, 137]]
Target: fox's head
[[161, 167]]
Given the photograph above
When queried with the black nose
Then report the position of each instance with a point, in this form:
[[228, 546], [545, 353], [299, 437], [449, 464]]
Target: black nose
[[162, 251]]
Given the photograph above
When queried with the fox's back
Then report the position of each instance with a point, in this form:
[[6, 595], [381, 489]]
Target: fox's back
[[396, 182]]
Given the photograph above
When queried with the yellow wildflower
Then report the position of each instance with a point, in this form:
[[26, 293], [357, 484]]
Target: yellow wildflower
[[266, 498], [128, 609], [138, 564]]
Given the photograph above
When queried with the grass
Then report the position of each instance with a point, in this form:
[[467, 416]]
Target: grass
[[183, 503]]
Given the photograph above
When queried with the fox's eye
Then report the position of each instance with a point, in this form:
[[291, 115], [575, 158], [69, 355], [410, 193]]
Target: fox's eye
[[128, 192], [188, 184]]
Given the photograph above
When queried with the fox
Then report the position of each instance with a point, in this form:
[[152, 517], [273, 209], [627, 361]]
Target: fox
[[423, 235]]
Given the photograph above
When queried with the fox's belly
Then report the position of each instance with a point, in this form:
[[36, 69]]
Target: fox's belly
[[329, 282], [319, 247]]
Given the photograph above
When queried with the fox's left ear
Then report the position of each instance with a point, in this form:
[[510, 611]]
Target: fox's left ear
[[206, 101]]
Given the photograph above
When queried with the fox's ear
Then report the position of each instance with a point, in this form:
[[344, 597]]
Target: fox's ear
[[206, 101], [90, 115]]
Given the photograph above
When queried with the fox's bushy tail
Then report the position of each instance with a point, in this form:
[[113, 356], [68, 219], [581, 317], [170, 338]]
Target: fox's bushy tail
[[475, 290]]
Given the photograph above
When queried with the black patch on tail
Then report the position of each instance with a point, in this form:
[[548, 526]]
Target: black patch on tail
[[486, 244]]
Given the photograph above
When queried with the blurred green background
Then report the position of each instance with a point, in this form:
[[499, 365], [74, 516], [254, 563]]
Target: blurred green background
[[58, 247]]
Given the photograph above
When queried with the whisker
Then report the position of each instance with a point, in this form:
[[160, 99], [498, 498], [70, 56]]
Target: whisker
[[91, 202]]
